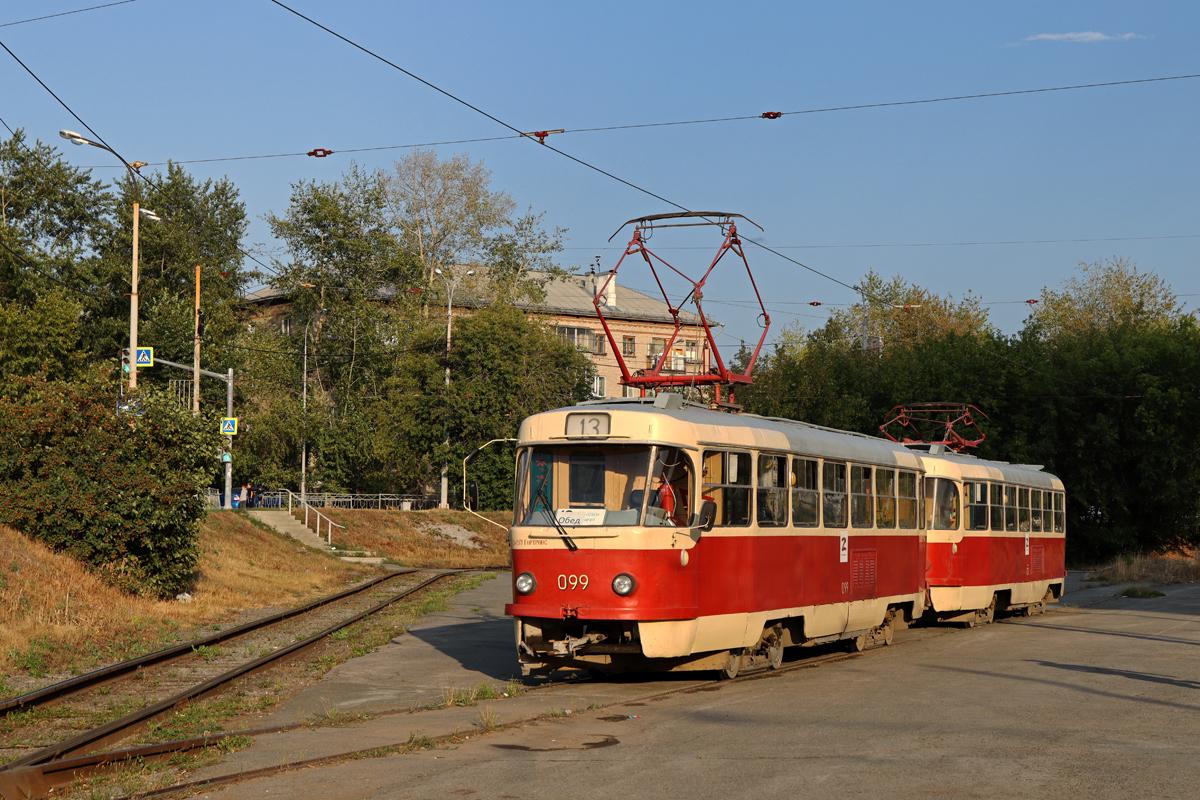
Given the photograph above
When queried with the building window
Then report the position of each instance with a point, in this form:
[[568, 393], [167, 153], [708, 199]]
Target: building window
[[628, 346], [584, 339], [285, 325], [630, 391], [598, 386], [689, 351]]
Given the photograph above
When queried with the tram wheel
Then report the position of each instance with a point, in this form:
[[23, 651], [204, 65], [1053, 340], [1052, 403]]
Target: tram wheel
[[987, 615], [733, 665], [774, 652]]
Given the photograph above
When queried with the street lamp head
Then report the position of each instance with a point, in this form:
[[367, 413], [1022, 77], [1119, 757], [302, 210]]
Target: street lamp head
[[148, 214], [437, 271], [73, 137], [308, 286], [470, 272]]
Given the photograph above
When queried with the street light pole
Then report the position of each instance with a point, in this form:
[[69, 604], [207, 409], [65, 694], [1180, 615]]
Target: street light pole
[[304, 422], [133, 301], [196, 352], [138, 211], [451, 282]]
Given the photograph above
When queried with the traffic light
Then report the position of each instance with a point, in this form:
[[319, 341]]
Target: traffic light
[[125, 361]]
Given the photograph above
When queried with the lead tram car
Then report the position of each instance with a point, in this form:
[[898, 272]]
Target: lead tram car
[[659, 534]]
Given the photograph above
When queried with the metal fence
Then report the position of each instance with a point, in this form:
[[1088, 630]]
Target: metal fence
[[399, 502]]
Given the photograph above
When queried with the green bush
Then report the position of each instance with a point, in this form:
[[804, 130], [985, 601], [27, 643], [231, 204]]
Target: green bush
[[123, 493]]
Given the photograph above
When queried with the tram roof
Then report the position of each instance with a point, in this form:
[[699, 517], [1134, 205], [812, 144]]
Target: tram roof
[[778, 433]]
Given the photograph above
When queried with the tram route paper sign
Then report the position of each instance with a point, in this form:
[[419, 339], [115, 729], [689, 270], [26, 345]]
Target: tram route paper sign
[[579, 516]]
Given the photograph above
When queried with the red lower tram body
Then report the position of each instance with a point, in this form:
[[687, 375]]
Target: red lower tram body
[[691, 608]]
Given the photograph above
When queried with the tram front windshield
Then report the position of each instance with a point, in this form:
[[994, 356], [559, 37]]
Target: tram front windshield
[[589, 485]]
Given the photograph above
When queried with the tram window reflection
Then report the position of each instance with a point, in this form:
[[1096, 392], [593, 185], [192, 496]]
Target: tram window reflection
[[997, 493], [833, 482], [1010, 508], [885, 498], [1060, 517], [1035, 510], [583, 485], [861, 503], [772, 491], [1023, 505], [941, 504], [906, 500], [805, 493], [977, 505], [670, 488], [727, 484]]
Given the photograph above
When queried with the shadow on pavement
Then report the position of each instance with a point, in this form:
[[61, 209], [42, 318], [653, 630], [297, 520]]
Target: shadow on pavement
[[1183, 683], [486, 645], [1066, 685], [1122, 634]]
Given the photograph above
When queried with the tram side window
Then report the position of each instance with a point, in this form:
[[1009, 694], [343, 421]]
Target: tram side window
[[1010, 508], [805, 493], [941, 504], [1023, 504], [670, 488], [977, 505], [1047, 511], [885, 498], [772, 491], [997, 493], [1035, 510], [1060, 517], [906, 501], [833, 481], [727, 483], [861, 505]]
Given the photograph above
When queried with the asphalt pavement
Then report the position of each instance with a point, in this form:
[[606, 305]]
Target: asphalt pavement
[[1096, 700]]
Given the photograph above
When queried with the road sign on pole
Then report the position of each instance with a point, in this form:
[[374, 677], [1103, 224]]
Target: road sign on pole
[[145, 357], [229, 426]]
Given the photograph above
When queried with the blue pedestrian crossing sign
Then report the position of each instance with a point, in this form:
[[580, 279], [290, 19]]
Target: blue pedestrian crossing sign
[[229, 426], [145, 357]]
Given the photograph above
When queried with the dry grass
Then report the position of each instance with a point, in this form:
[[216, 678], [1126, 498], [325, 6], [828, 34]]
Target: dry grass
[[414, 538], [58, 616], [1159, 569]]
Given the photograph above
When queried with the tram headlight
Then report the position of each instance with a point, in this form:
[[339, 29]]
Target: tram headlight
[[525, 583], [624, 584]]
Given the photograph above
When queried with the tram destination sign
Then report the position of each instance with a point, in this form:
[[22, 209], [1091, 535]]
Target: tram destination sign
[[587, 425]]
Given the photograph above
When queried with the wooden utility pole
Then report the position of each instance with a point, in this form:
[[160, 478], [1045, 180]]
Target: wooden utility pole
[[196, 351], [133, 302]]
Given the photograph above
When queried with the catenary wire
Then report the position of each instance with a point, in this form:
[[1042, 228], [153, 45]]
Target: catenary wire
[[65, 13], [112, 149], [676, 123], [542, 143]]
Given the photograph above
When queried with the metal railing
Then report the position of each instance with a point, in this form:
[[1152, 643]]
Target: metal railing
[[351, 500], [294, 503]]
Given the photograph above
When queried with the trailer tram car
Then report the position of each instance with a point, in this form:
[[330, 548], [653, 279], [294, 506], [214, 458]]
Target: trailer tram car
[[658, 534]]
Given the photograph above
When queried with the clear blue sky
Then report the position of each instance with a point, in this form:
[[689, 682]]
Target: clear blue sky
[[179, 79]]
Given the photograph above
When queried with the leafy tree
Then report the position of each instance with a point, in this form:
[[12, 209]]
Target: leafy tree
[[504, 367], [445, 210], [1105, 294]]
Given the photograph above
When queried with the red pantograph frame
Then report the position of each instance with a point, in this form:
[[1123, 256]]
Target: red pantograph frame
[[947, 417], [719, 374]]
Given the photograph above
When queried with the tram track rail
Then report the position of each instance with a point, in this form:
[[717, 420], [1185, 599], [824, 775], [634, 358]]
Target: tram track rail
[[36, 774], [103, 760]]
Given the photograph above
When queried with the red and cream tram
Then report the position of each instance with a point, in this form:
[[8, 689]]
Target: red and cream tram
[[656, 534]]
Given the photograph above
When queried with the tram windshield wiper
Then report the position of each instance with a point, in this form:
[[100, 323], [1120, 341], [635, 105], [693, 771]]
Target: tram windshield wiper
[[541, 493]]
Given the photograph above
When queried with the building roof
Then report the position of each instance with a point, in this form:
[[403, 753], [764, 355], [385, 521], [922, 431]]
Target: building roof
[[566, 295]]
